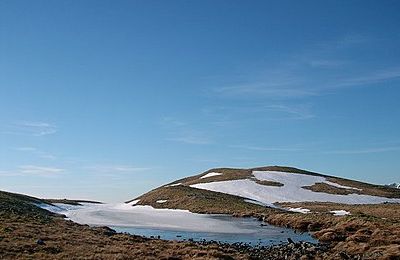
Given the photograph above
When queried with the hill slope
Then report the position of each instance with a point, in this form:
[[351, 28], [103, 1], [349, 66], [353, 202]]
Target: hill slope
[[339, 211], [225, 188]]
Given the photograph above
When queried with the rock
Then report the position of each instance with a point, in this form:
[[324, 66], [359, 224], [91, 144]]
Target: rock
[[40, 242], [108, 231], [343, 255], [328, 237], [290, 240]]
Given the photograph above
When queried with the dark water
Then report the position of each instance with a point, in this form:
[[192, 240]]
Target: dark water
[[253, 233]]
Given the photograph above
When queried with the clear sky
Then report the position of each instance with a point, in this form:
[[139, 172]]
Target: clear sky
[[108, 99]]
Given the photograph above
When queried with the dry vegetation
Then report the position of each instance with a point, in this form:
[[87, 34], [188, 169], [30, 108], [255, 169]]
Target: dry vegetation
[[67, 240], [367, 188], [326, 188], [362, 188], [371, 232], [269, 183]]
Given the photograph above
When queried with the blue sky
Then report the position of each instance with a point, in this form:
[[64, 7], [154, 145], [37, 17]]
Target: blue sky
[[108, 99]]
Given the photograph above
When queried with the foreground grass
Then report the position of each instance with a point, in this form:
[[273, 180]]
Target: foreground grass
[[61, 239], [371, 232]]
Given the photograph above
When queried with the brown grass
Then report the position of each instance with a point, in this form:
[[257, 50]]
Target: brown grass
[[367, 188], [67, 240], [201, 201], [372, 231], [384, 212], [326, 188], [269, 183]]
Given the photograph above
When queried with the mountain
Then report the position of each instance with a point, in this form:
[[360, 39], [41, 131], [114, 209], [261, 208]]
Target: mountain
[[227, 190]]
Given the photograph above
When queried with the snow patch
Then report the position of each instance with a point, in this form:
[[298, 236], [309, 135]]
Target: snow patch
[[175, 184], [133, 202], [340, 212], [124, 215], [299, 210], [291, 191], [59, 207], [161, 201], [210, 174]]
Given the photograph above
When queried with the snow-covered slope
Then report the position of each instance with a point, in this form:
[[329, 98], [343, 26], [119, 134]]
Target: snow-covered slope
[[292, 190]]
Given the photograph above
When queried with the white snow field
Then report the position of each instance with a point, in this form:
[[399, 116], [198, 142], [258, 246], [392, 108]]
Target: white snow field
[[340, 212], [61, 207], [291, 191], [133, 202], [299, 210], [126, 215], [175, 184], [210, 174]]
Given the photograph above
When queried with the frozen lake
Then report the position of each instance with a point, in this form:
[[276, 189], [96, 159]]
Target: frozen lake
[[253, 233], [173, 224]]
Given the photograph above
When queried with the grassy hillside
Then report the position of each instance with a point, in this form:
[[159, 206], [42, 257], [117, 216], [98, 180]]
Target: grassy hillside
[[201, 201], [12, 204], [179, 194]]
